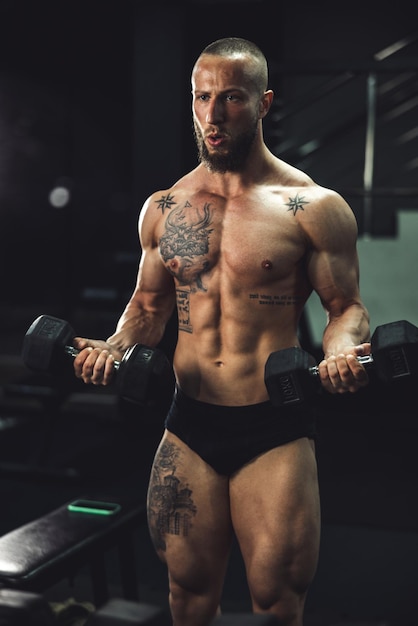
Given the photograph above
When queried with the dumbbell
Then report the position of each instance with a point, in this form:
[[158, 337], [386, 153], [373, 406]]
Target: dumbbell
[[291, 375], [142, 375]]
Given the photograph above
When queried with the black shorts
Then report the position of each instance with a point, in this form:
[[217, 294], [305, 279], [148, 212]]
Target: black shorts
[[228, 437]]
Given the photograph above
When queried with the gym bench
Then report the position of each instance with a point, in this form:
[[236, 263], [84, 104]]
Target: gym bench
[[52, 548]]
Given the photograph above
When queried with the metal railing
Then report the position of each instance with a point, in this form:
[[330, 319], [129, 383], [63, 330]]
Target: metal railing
[[391, 91]]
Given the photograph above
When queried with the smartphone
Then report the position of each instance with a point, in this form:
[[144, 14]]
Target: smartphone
[[94, 507]]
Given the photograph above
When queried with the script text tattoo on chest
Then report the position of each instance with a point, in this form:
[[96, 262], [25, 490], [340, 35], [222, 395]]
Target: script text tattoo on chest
[[270, 300]]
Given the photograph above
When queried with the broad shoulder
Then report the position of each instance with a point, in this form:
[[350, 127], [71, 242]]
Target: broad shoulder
[[310, 203], [324, 215], [165, 199], [160, 204], [304, 197], [322, 201]]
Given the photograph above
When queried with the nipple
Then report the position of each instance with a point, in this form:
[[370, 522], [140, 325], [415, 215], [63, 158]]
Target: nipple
[[266, 264]]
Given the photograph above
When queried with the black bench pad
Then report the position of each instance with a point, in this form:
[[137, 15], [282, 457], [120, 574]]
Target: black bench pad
[[53, 547]]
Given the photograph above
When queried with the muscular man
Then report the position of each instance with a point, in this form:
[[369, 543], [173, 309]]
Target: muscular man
[[239, 244]]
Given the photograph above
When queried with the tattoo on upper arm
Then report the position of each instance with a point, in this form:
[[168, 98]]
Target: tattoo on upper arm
[[295, 204], [170, 504]]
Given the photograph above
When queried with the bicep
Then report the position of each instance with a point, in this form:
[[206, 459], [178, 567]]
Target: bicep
[[334, 276], [154, 288], [333, 266], [154, 285]]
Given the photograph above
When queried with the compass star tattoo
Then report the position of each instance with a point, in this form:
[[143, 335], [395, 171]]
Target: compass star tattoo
[[165, 202], [296, 203]]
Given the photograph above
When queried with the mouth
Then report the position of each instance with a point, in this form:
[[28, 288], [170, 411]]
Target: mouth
[[215, 139]]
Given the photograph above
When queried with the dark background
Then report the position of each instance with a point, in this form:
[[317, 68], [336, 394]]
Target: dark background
[[95, 98]]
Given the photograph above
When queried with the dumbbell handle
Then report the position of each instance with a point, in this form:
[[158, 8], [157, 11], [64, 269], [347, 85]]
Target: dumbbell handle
[[73, 352], [365, 360]]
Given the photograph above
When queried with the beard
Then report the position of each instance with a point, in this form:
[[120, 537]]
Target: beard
[[232, 161]]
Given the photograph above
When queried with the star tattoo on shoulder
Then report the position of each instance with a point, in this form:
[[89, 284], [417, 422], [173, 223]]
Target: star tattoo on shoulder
[[165, 202], [296, 203]]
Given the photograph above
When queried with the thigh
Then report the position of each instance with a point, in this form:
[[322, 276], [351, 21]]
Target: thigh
[[189, 516], [276, 515]]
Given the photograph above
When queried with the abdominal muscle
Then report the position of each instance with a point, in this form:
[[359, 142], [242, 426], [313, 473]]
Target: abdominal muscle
[[224, 364]]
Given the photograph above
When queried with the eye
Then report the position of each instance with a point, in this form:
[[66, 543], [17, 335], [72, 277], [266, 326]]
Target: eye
[[230, 97]]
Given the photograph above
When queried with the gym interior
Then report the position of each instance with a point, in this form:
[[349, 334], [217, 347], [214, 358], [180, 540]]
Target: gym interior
[[94, 116]]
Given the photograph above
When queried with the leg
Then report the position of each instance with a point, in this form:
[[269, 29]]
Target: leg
[[276, 515], [190, 525]]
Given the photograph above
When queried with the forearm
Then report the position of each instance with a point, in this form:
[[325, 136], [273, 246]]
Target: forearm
[[348, 328], [139, 325]]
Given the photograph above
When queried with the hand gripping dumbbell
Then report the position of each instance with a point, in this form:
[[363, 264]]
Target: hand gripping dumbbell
[[291, 375], [142, 375]]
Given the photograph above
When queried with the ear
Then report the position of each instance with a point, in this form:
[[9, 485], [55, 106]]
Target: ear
[[265, 103]]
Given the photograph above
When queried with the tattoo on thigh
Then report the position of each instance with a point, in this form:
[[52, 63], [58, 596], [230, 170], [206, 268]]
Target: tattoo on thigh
[[170, 504]]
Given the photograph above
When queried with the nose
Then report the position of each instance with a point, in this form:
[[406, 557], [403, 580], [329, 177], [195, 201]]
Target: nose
[[215, 112]]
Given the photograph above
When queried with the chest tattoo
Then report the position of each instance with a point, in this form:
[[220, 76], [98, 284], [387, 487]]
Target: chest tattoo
[[276, 300], [184, 246]]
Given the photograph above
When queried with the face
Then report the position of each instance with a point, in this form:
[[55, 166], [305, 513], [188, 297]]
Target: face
[[226, 112]]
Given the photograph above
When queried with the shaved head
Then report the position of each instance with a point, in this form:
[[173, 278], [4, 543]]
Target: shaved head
[[236, 47]]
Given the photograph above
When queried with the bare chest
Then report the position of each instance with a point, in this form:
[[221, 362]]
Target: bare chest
[[252, 241]]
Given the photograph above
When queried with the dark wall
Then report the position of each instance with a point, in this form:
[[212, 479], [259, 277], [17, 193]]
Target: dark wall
[[65, 119], [95, 95]]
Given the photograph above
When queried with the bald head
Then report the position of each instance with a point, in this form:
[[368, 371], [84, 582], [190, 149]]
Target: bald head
[[238, 48]]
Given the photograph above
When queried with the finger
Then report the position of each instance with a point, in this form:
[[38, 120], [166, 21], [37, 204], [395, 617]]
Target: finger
[[358, 371], [99, 366], [336, 375], [80, 360], [351, 374], [109, 369], [337, 371], [89, 366], [362, 349], [327, 370], [80, 342]]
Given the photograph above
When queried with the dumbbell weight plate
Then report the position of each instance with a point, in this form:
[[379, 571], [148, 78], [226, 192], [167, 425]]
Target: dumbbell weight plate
[[143, 375], [395, 350], [44, 343], [288, 376]]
